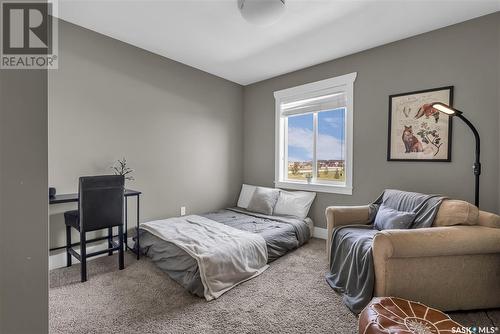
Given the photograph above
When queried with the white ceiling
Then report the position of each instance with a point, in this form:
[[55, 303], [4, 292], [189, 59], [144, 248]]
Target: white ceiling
[[212, 36]]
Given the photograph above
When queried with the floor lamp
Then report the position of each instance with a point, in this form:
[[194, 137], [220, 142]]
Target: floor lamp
[[476, 167]]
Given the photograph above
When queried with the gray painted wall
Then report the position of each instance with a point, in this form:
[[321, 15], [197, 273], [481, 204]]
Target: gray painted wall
[[181, 129], [23, 200], [113, 83], [464, 55], [498, 95]]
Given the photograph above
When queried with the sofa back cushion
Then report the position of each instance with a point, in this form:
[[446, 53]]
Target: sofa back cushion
[[456, 212]]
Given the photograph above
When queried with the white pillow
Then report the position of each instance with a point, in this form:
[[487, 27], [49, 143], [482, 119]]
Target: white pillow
[[264, 200], [294, 203], [245, 195]]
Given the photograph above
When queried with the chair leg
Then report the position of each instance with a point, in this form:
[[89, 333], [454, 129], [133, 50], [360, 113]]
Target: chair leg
[[83, 255], [68, 246], [120, 251], [110, 240]]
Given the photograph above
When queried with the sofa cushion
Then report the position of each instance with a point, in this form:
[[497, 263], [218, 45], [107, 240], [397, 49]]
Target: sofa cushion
[[389, 219], [456, 212], [424, 206]]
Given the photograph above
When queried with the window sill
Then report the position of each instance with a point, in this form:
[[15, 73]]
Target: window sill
[[322, 188]]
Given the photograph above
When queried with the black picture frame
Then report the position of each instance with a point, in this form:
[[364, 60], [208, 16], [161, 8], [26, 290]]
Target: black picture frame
[[450, 90]]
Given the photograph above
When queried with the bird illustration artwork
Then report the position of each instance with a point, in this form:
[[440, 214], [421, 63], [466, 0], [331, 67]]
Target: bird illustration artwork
[[427, 110]]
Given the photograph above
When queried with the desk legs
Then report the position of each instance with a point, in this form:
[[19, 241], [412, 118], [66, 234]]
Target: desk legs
[[110, 240], [125, 234], [126, 221], [138, 250]]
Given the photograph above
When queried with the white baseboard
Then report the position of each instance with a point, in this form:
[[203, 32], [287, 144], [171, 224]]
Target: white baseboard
[[320, 233], [58, 259]]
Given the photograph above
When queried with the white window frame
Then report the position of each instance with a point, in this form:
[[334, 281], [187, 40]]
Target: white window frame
[[344, 83]]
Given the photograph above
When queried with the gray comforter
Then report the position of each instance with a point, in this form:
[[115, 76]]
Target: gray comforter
[[282, 234], [351, 262]]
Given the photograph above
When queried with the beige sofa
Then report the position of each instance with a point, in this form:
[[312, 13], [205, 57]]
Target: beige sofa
[[454, 265]]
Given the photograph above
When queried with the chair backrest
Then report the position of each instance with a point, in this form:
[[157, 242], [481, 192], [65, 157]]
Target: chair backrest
[[101, 201]]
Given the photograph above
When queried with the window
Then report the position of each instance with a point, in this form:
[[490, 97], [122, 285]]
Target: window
[[314, 136]]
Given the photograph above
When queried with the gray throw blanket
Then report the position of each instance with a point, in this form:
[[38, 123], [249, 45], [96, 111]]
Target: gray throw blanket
[[351, 262]]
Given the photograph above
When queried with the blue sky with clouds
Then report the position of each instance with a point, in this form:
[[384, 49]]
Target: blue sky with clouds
[[330, 136]]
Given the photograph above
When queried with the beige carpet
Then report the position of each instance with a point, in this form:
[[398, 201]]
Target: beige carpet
[[290, 297]]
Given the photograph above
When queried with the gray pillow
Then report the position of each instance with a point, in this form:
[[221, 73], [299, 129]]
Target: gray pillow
[[389, 219], [263, 200]]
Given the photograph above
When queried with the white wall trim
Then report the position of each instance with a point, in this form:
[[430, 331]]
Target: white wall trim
[[320, 233], [59, 260], [317, 187], [337, 81]]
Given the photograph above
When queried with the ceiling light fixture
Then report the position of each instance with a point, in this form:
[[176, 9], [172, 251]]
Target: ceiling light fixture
[[261, 12]]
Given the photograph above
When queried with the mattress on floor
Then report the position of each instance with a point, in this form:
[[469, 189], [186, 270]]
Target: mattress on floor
[[282, 234]]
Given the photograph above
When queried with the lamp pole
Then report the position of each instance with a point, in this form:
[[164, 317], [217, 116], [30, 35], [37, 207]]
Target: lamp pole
[[476, 167]]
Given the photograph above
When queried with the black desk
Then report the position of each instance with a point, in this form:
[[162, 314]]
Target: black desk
[[73, 198]]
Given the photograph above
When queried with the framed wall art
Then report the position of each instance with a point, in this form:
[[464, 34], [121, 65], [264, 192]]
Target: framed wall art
[[418, 132]]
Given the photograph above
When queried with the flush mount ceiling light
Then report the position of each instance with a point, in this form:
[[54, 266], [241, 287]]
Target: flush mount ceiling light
[[261, 12]]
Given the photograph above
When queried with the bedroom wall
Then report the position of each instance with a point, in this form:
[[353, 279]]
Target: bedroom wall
[[498, 108], [23, 201], [179, 128], [464, 55]]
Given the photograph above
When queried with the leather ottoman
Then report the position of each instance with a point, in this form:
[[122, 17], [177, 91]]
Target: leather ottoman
[[397, 315]]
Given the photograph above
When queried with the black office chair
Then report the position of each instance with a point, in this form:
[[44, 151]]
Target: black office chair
[[100, 206]]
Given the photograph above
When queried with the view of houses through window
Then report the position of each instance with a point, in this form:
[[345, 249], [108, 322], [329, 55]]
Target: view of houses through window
[[319, 137]]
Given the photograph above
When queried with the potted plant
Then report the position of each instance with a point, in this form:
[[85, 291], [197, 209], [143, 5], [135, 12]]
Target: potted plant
[[120, 168], [308, 177]]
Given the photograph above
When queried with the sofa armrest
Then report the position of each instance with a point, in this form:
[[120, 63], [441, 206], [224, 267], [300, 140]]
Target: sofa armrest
[[344, 215], [436, 241]]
